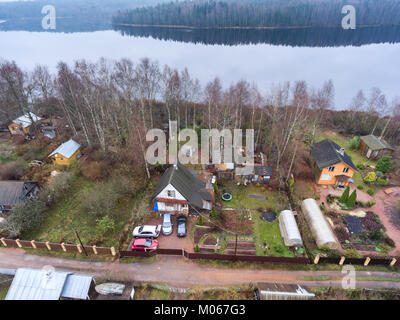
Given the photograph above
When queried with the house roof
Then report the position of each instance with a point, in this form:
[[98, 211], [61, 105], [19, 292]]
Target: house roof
[[374, 143], [180, 177], [42, 284], [11, 192], [25, 120], [263, 171], [67, 149], [326, 153]]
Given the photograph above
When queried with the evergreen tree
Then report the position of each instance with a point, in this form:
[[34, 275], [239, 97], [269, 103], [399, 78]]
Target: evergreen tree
[[384, 164], [352, 200], [345, 196]]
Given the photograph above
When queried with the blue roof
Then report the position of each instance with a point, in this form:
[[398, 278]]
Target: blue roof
[[45, 284]]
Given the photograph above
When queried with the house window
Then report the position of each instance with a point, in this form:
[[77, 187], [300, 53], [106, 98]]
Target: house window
[[326, 177], [171, 193], [331, 169], [375, 153], [385, 152], [345, 170]]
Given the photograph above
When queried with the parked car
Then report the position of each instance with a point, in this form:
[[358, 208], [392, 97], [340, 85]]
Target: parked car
[[181, 226], [144, 244], [167, 224], [146, 231]]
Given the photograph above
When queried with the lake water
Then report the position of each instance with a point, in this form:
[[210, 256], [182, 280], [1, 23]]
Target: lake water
[[350, 67]]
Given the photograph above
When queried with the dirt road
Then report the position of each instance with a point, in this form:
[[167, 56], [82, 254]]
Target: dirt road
[[178, 271]]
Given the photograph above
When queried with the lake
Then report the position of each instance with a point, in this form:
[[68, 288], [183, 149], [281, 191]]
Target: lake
[[353, 61]]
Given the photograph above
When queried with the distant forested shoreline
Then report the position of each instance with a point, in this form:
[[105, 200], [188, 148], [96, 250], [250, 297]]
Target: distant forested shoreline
[[260, 14]]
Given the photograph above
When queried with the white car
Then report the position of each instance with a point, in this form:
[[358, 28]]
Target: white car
[[146, 231]]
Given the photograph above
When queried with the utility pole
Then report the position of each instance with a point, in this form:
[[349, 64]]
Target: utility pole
[[83, 247], [236, 244]]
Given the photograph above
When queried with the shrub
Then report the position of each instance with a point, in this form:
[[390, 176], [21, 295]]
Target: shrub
[[279, 248], [389, 242], [384, 164], [197, 249], [12, 170], [200, 221], [352, 253], [94, 170], [370, 191], [57, 188], [352, 199], [345, 196], [379, 174], [360, 187], [377, 235], [24, 217], [104, 225], [382, 181], [361, 166], [370, 177], [354, 143], [99, 201]]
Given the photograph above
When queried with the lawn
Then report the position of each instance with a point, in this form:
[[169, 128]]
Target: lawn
[[268, 239], [66, 216], [7, 152], [241, 199], [267, 233], [5, 282]]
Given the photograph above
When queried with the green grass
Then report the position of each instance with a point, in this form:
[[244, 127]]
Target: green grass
[[241, 199], [317, 278], [7, 152], [269, 233], [378, 279], [264, 232], [66, 216], [5, 282]]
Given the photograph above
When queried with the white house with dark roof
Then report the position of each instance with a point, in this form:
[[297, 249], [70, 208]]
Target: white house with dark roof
[[179, 189]]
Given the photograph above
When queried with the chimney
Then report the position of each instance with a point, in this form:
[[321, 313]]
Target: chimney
[[341, 151]]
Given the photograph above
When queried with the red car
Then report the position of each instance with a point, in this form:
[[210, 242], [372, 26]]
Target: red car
[[144, 244]]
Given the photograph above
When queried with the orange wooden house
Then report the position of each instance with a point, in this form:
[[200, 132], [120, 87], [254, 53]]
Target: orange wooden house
[[66, 153], [24, 124], [332, 164]]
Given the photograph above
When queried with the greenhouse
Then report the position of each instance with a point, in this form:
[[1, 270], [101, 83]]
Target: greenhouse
[[289, 230], [319, 226]]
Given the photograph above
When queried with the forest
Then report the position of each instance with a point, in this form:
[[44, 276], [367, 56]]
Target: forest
[[261, 13], [72, 15], [110, 105], [303, 37]]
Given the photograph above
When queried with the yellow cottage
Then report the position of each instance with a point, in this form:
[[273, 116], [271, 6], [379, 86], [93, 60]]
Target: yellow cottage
[[23, 124], [332, 163], [66, 153]]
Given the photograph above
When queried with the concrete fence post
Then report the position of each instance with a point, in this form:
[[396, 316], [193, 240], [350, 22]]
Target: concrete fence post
[[79, 247], [342, 260], [18, 243], [367, 260], [94, 249], [113, 251], [33, 244], [48, 245], [3, 242], [63, 247], [316, 259], [393, 262]]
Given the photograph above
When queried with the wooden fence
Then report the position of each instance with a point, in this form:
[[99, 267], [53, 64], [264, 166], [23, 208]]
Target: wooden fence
[[66, 247], [51, 246], [365, 261], [213, 256]]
